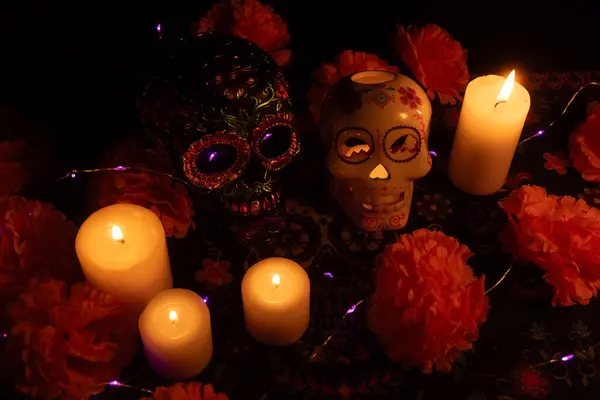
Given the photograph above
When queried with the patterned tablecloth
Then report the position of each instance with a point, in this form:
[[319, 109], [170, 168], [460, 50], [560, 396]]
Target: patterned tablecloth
[[522, 327]]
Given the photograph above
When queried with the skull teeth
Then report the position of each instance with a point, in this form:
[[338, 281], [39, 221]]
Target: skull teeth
[[396, 204], [254, 207]]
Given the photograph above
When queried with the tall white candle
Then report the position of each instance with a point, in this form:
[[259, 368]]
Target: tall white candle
[[122, 251], [276, 297], [490, 124], [176, 332]]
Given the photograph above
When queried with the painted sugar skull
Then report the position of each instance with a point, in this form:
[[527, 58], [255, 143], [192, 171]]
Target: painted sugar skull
[[223, 110], [376, 125]]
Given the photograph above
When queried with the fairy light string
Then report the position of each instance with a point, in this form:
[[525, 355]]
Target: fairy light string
[[352, 309], [120, 168], [564, 110]]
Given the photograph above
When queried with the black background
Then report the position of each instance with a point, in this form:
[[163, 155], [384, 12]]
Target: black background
[[80, 65]]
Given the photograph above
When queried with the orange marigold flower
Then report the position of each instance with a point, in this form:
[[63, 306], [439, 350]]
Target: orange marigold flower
[[559, 234], [252, 20], [585, 145], [35, 240], [428, 305], [436, 60], [188, 391], [66, 342], [160, 194]]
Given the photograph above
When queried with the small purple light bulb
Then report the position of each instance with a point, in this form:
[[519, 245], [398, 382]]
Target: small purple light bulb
[[120, 168], [73, 175], [5, 335], [212, 156], [433, 153], [114, 383], [568, 357], [328, 274], [205, 299], [540, 132], [351, 309], [158, 28]]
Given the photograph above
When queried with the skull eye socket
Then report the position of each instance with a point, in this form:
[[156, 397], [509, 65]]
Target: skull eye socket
[[275, 141], [216, 159], [354, 145], [402, 144]]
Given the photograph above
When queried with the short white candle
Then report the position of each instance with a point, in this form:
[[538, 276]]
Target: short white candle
[[122, 251], [276, 297], [176, 332], [490, 124]]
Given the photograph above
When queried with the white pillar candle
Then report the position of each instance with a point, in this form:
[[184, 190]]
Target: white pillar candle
[[122, 251], [176, 332], [276, 297], [490, 124]]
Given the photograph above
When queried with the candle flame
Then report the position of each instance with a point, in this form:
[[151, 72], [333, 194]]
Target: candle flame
[[173, 315], [117, 234], [507, 88], [276, 280]]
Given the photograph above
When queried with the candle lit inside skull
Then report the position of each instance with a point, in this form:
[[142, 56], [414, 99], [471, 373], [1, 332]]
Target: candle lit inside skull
[[490, 124], [276, 297]]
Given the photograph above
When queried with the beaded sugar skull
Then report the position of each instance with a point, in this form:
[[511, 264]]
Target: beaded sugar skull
[[375, 125], [222, 108]]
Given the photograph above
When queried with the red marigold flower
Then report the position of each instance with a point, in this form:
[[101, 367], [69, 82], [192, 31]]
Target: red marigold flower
[[347, 63], [65, 343], [436, 60], [428, 306], [252, 20], [165, 198], [214, 273], [561, 235], [584, 145], [188, 391], [35, 240]]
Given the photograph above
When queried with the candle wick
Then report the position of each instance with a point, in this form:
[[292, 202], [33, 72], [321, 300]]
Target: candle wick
[[499, 102], [122, 241]]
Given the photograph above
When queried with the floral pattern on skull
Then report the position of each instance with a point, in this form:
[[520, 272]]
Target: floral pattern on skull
[[377, 147], [223, 110]]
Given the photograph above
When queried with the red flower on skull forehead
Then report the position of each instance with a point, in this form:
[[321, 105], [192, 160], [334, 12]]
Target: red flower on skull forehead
[[409, 97], [251, 20], [436, 60]]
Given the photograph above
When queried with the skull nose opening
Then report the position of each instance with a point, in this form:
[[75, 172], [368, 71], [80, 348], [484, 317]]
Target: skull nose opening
[[373, 77], [379, 172]]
